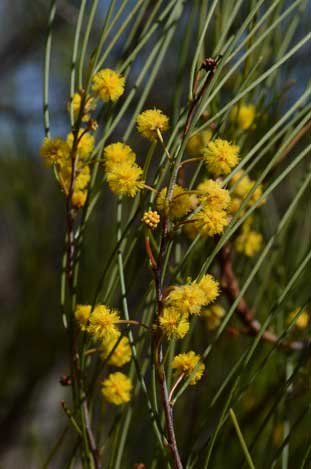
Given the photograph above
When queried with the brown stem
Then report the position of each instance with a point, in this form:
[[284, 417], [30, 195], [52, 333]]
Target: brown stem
[[178, 380], [90, 436], [150, 253], [230, 285]]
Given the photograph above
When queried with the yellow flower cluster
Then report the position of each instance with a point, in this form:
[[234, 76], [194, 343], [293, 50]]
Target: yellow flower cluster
[[103, 323], [220, 156], [76, 106], [181, 204], [118, 355], [151, 219], [212, 194], [249, 242], [151, 121], [213, 315], [54, 151], [108, 85], [185, 363], [123, 179], [173, 324], [186, 300], [243, 115], [302, 321], [57, 152], [241, 186], [198, 141], [213, 216], [123, 175], [117, 388], [82, 314]]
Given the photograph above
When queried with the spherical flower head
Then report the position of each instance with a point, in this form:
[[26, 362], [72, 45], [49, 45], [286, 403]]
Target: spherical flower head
[[243, 115], [187, 299], [302, 320], [173, 324], [198, 141], [55, 151], [185, 363], [148, 122], [83, 177], [210, 221], [210, 288], [76, 105], [82, 314], [85, 145], [78, 198], [102, 323], [125, 179], [108, 85], [121, 353], [180, 205], [249, 243], [118, 153], [117, 388], [213, 315], [212, 194], [151, 219], [241, 184], [220, 156]]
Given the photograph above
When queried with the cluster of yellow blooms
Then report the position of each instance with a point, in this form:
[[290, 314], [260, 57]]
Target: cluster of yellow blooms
[[102, 324], [243, 115], [151, 219], [116, 388], [185, 363], [249, 241], [303, 319], [123, 175], [213, 315], [185, 300], [71, 157]]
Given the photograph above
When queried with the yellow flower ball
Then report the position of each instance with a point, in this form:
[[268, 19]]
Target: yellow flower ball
[[181, 204], [102, 323], [118, 153], [302, 321], [198, 141], [243, 115], [210, 288], [108, 85], [212, 194], [54, 151], [249, 243], [121, 354], [85, 145], [78, 198], [185, 363], [117, 388], [173, 324], [213, 315], [76, 105], [210, 221], [151, 219], [220, 156], [148, 122], [82, 314], [187, 299], [125, 179]]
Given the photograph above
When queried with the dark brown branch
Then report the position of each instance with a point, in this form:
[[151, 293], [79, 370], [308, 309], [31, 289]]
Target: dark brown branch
[[230, 286]]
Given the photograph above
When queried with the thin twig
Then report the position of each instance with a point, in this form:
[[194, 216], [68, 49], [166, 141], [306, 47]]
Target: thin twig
[[230, 286]]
